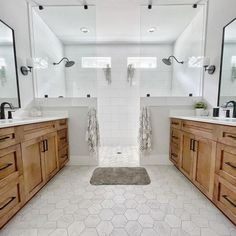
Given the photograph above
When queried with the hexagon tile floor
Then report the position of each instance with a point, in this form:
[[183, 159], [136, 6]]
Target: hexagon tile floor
[[70, 206]]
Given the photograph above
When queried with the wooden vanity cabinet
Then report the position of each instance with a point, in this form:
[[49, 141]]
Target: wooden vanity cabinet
[[29, 158], [208, 159], [33, 163], [186, 158]]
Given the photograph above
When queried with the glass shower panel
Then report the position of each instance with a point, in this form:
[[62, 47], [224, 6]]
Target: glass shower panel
[[173, 30]]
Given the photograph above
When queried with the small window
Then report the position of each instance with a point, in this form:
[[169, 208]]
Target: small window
[[142, 62], [96, 62]]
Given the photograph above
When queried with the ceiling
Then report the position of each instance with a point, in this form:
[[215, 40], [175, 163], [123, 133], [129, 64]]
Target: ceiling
[[117, 21]]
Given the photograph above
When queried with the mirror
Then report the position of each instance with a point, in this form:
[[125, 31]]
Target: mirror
[[227, 85], [9, 87]]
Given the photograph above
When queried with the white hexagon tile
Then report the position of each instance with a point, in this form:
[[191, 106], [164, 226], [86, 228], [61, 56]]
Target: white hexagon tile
[[69, 206]]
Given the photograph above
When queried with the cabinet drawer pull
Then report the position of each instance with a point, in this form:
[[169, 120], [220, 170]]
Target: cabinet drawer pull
[[229, 200], [175, 123], [174, 155], [5, 138], [230, 164], [174, 137], [7, 203], [63, 138], [231, 136], [191, 144], [3, 167], [63, 157]]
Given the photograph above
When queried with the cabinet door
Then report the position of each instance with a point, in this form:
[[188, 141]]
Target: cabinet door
[[204, 164], [186, 160], [51, 155], [33, 166]]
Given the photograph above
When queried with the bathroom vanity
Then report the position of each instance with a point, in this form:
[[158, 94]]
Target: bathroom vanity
[[204, 150], [32, 151]]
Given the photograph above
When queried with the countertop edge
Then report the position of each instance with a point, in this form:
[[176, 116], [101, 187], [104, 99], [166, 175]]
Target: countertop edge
[[30, 120], [210, 120]]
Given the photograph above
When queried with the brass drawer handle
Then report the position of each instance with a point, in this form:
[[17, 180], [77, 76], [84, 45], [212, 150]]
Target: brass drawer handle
[[5, 138], [229, 200], [230, 164], [5, 166], [7, 203], [231, 136]]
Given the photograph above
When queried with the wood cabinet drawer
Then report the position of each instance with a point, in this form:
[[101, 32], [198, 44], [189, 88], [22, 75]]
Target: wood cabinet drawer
[[175, 123], [225, 197], [201, 129], [11, 200], [227, 135], [8, 137], [226, 162], [10, 161], [175, 137], [174, 154], [62, 138], [61, 124], [36, 130], [63, 156]]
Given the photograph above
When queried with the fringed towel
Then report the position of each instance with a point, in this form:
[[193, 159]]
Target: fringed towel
[[145, 131], [92, 133]]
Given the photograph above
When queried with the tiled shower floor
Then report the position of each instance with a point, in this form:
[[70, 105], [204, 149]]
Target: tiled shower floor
[[118, 156], [69, 206]]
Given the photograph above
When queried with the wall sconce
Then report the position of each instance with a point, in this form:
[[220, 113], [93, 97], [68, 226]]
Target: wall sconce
[[26, 69], [208, 67]]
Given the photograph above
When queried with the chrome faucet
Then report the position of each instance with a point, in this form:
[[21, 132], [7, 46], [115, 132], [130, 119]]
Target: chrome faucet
[[2, 109], [234, 107]]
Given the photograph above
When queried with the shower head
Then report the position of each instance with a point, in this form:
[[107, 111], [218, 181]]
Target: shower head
[[67, 64], [168, 61]]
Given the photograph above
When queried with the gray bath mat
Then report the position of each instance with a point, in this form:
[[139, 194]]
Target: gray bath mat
[[120, 176]]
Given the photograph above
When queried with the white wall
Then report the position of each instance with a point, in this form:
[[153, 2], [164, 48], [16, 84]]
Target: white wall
[[49, 79], [190, 43], [160, 110], [15, 14], [220, 14], [80, 81], [156, 82]]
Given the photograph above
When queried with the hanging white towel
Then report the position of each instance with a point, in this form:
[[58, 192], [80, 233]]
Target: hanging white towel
[[145, 131], [3, 77], [107, 72], [92, 133], [130, 74], [233, 73]]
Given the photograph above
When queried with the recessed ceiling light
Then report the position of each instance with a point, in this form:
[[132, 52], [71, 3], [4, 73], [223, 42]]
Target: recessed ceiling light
[[84, 30], [152, 30]]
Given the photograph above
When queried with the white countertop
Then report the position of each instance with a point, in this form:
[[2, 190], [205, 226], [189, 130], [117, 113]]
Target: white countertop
[[208, 119], [28, 120]]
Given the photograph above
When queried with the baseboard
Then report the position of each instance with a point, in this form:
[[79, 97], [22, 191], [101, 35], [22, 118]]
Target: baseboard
[[83, 161], [155, 160]]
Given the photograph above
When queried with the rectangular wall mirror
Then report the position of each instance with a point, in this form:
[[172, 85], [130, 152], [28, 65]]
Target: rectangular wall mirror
[[227, 86], [9, 87]]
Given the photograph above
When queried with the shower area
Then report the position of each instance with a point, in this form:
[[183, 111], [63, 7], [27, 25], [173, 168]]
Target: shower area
[[118, 54]]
